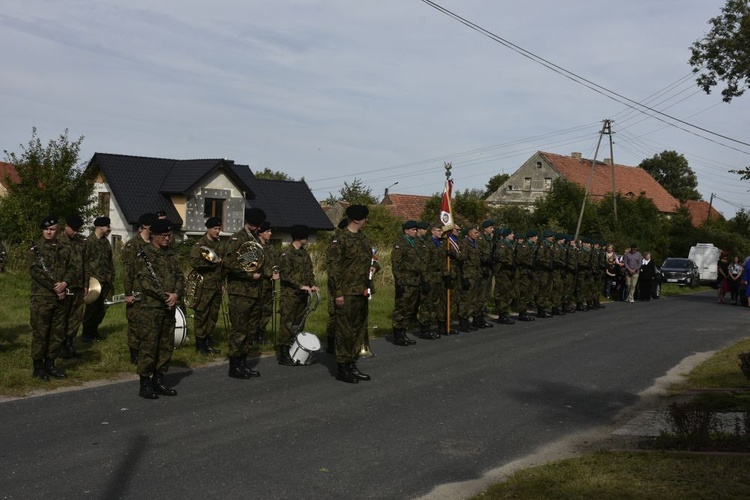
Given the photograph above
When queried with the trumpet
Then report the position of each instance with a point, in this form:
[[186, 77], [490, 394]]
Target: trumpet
[[120, 298]]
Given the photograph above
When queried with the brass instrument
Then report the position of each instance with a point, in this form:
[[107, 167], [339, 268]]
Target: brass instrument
[[364, 351], [251, 256], [120, 298], [95, 289], [194, 282]]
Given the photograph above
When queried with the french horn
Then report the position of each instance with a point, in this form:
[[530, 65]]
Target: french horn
[[251, 256], [194, 281]]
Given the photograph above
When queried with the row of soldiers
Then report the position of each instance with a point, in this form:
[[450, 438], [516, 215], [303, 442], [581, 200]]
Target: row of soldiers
[[462, 271]]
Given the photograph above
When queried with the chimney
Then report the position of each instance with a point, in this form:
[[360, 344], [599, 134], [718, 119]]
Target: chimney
[[576, 155], [608, 161]]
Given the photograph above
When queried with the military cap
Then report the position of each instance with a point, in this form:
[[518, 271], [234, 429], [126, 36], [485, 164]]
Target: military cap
[[531, 233], [357, 212], [520, 236], [48, 221], [547, 233], [488, 223], [506, 231], [264, 226], [560, 236], [74, 221], [146, 219], [102, 221], [161, 226], [342, 223], [422, 225], [299, 232], [410, 224], [213, 222], [254, 216]]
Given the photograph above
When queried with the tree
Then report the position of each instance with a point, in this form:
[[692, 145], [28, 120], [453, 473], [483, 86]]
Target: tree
[[494, 183], [468, 207], [355, 193], [724, 53], [51, 181], [672, 171], [273, 175]]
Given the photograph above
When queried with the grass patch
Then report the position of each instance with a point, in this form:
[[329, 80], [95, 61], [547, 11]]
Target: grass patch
[[606, 474]]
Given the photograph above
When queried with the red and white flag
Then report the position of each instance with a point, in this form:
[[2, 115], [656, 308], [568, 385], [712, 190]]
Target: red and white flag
[[446, 214]]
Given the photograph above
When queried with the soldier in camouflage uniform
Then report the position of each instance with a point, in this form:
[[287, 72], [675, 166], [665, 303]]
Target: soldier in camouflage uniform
[[558, 274], [269, 276], [504, 270], [349, 268], [50, 270], [101, 267], [432, 309], [571, 268], [331, 323], [79, 286], [132, 295], [407, 265], [525, 253], [470, 305], [486, 242], [598, 264], [431, 278], [244, 289], [582, 277], [297, 284], [209, 293], [159, 277], [3, 257], [543, 274]]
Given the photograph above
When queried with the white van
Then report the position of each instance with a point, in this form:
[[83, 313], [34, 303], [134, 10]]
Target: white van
[[705, 256]]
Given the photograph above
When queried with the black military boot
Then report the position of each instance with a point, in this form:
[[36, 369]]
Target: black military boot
[[426, 334], [524, 316], [49, 367], [331, 340], [569, 309], [504, 319], [344, 374], [484, 321], [210, 346], [357, 374], [71, 349], [599, 305], [399, 337], [201, 346], [235, 369], [64, 351], [39, 370], [157, 382], [243, 365], [543, 313], [133, 356], [147, 390], [443, 330], [463, 325], [556, 311], [284, 357]]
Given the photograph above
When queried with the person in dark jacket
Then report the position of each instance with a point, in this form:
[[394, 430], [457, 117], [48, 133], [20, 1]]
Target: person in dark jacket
[[647, 278]]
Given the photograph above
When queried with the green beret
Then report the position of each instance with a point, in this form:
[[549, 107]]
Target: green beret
[[488, 223], [423, 225], [520, 236], [506, 231], [547, 233], [410, 224], [531, 233]]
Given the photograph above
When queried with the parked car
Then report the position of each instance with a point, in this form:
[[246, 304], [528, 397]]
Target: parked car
[[680, 271]]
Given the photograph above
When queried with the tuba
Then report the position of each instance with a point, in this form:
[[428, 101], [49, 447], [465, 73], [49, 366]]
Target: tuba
[[251, 256], [194, 281]]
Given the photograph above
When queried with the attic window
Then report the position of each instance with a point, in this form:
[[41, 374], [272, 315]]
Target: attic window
[[213, 207], [538, 164]]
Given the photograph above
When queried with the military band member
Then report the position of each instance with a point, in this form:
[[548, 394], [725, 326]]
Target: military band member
[[50, 270], [350, 266], [269, 276], [132, 294], [297, 283], [209, 293], [79, 285], [407, 265], [504, 270], [331, 323], [159, 277], [100, 266], [244, 290]]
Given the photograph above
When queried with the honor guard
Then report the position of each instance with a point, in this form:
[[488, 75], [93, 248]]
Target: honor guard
[[407, 266], [504, 269]]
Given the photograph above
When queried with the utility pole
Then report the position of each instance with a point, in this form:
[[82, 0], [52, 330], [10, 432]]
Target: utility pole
[[710, 204], [608, 130], [591, 176]]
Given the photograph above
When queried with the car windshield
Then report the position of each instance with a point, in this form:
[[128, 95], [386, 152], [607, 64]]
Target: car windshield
[[677, 263]]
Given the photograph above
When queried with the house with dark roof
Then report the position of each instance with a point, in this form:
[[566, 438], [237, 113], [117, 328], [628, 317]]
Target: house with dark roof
[[8, 175], [701, 212], [535, 177], [191, 191]]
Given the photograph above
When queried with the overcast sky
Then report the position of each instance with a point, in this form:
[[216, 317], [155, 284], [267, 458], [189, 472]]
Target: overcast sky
[[384, 91]]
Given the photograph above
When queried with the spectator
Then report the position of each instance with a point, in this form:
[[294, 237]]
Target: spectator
[[735, 278], [722, 275], [633, 260], [611, 272], [647, 278]]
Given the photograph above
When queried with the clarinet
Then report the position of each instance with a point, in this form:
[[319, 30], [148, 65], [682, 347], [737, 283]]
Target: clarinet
[[154, 277], [45, 269], [370, 288]]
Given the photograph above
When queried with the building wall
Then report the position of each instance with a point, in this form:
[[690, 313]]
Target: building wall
[[219, 186], [527, 184], [121, 231]]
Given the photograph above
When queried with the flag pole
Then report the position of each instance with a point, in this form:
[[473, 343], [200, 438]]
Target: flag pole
[[447, 224]]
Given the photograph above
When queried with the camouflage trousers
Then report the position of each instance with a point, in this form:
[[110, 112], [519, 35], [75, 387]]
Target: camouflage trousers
[[47, 321], [504, 291], [470, 300], [206, 315], [428, 305], [75, 306], [131, 315], [405, 306], [544, 289], [244, 316], [526, 290], [156, 333], [351, 328], [94, 313], [291, 310]]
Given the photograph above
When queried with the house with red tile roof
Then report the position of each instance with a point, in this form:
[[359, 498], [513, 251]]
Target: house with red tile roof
[[8, 175], [535, 177], [700, 211], [405, 206]]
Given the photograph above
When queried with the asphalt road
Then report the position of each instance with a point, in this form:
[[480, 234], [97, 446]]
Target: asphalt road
[[438, 412]]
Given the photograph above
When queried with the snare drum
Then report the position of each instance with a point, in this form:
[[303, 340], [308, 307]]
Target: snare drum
[[305, 346], [180, 328]]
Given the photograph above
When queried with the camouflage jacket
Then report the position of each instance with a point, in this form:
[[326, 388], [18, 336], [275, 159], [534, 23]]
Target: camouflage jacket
[[296, 268], [211, 271], [77, 249], [56, 258], [505, 255], [99, 259], [166, 267], [407, 261], [350, 258], [127, 256]]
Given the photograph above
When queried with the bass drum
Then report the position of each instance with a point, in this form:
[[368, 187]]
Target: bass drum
[[180, 328]]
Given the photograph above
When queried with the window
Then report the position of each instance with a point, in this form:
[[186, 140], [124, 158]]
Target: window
[[116, 241], [214, 207], [548, 183], [104, 204], [527, 183]]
